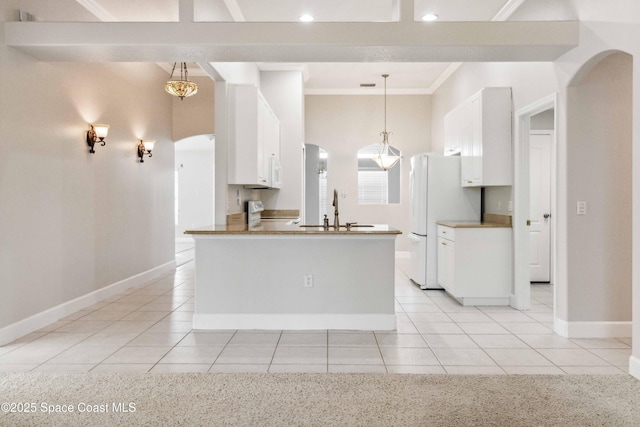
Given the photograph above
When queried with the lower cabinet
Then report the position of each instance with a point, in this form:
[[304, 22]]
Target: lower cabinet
[[474, 264]]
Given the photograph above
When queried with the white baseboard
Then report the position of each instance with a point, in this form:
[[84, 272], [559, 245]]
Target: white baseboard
[[561, 327], [40, 320], [378, 322], [472, 301], [403, 254], [592, 329], [634, 366]]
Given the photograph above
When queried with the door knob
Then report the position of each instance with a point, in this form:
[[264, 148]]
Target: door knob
[[547, 215]]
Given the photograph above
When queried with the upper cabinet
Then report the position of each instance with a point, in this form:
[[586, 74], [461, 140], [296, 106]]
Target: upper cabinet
[[254, 131], [480, 131]]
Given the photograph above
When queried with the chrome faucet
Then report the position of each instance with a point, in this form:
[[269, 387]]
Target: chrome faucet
[[336, 219]]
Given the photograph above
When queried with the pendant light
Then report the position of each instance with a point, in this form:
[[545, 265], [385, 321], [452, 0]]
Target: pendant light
[[181, 88], [388, 156]]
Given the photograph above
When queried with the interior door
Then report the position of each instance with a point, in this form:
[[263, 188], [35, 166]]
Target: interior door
[[540, 206]]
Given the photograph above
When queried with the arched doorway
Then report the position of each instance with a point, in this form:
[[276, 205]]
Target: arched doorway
[[599, 198], [194, 187]]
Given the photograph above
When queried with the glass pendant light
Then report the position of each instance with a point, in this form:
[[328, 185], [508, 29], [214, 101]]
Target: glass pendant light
[[388, 156], [181, 88]]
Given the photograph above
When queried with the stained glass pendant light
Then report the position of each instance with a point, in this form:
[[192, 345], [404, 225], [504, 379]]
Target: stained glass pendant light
[[181, 88], [388, 156]]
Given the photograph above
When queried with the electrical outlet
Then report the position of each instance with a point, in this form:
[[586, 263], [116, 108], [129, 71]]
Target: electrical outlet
[[308, 281], [510, 207], [499, 205], [238, 199]]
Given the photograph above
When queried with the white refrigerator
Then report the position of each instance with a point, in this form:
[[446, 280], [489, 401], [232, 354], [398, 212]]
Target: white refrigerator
[[436, 194]]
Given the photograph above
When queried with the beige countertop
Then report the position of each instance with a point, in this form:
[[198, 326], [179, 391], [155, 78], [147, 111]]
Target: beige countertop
[[473, 224], [283, 229]]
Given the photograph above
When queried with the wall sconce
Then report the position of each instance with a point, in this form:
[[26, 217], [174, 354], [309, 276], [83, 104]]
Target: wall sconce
[[97, 132], [145, 147]]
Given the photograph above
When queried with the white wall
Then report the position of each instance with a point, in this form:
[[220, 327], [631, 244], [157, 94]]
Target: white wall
[[74, 222], [284, 91], [344, 124], [598, 39], [529, 82], [599, 172], [238, 72], [225, 195], [195, 168], [195, 115]]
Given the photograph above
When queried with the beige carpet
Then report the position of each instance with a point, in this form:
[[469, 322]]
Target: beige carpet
[[319, 400]]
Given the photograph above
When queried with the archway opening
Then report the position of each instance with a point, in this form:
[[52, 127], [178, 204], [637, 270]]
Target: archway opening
[[194, 186], [599, 198]]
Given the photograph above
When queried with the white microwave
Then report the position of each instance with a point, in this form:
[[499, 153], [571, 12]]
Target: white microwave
[[275, 172]]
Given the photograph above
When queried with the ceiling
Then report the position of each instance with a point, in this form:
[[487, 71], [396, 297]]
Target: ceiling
[[338, 78], [291, 10]]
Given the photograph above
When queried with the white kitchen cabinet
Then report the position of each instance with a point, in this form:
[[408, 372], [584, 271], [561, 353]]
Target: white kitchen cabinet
[[446, 263], [480, 130], [474, 264], [254, 132], [270, 131]]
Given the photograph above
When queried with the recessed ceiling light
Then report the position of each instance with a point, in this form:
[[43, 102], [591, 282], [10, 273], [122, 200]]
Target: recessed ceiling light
[[430, 17], [306, 18]]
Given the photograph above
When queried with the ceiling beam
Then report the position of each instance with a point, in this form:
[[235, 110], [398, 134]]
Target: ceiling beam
[[293, 42]]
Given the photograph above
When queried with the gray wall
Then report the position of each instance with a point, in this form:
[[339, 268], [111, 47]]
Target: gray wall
[[599, 172], [344, 124], [74, 222], [312, 185], [543, 121]]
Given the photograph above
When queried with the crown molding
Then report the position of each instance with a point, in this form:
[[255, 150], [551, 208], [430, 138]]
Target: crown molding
[[368, 91]]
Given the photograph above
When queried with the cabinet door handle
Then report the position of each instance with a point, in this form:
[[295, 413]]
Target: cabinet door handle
[[469, 182], [547, 215], [443, 243]]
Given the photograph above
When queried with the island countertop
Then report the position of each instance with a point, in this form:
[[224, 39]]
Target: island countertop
[[294, 229]]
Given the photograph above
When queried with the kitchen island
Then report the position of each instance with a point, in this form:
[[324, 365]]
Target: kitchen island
[[278, 276]]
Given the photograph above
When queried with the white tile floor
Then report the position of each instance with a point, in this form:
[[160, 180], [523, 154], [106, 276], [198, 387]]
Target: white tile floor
[[149, 329]]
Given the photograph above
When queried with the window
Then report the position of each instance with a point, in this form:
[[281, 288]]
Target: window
[[376, 186]]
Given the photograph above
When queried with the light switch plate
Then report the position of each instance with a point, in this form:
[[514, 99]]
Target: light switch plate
[[581, 207]]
